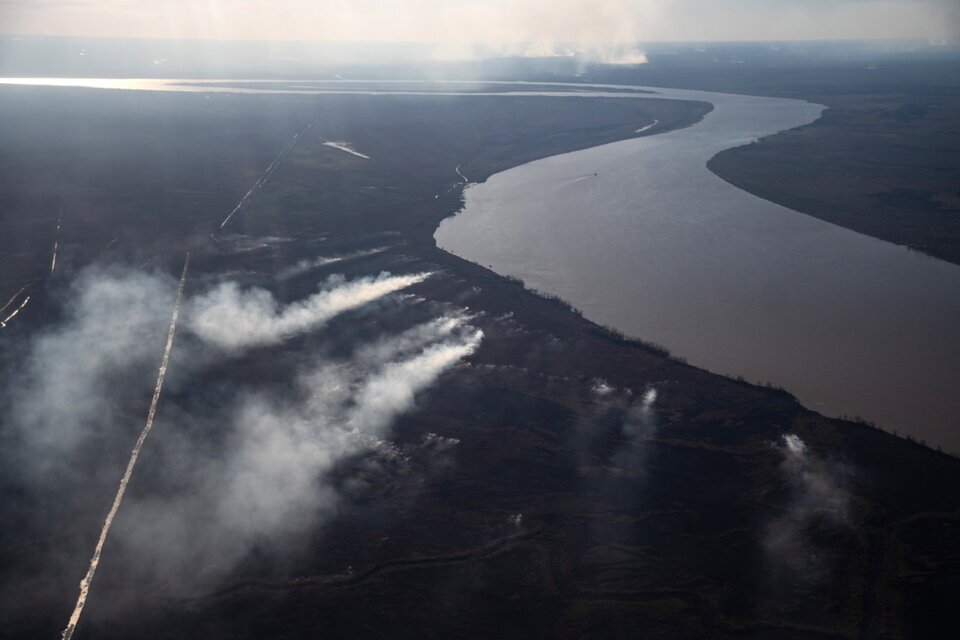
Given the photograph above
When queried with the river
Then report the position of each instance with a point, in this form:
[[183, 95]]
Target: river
[[641, 236]]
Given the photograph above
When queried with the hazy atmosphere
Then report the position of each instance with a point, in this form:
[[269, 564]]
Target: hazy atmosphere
[[500, 26], [479, 319]]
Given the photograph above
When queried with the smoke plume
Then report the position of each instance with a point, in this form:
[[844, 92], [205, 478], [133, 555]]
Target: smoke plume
[[271, 482], [618, 431], [817, 501], [234, 319], [77, 379], [307, 265], [253, 470]]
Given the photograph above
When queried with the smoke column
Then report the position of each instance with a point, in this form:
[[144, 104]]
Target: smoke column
[[306, 265], [161, 374], [234, 320]]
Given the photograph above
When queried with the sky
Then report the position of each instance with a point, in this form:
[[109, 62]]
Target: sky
[[542, 23]]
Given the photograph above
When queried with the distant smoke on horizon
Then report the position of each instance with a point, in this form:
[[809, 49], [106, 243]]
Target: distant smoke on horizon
[[465, 28]]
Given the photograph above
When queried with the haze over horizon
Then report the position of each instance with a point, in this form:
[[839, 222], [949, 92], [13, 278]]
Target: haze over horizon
[[456, 27]]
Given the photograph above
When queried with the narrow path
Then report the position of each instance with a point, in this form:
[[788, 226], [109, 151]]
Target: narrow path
[[5, 321], [56, 244], [489, 549], [262, 180], [12, 299], [125, 480]]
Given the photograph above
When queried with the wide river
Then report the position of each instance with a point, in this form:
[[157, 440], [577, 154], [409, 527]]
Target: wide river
[[641, 236]]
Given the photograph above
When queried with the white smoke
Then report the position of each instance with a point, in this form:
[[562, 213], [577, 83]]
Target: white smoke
[[583, 53], [617, 55], [307, 265], [66, 391], [436, 442], [410, 340], [640, 422], [817, 486], [455, 26], [601, 388], [233, 319], [73, 399], [619, 431], [796, 447], [393, 389], [251, 470], [817, 499], [270, 482], [648, 398]]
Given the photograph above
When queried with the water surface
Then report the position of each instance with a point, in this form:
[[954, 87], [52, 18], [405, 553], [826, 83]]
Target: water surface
[[659, 247]]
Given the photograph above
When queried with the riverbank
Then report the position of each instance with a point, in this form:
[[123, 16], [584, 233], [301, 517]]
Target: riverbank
[[566, 500], [657, 247], [884, 160]]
